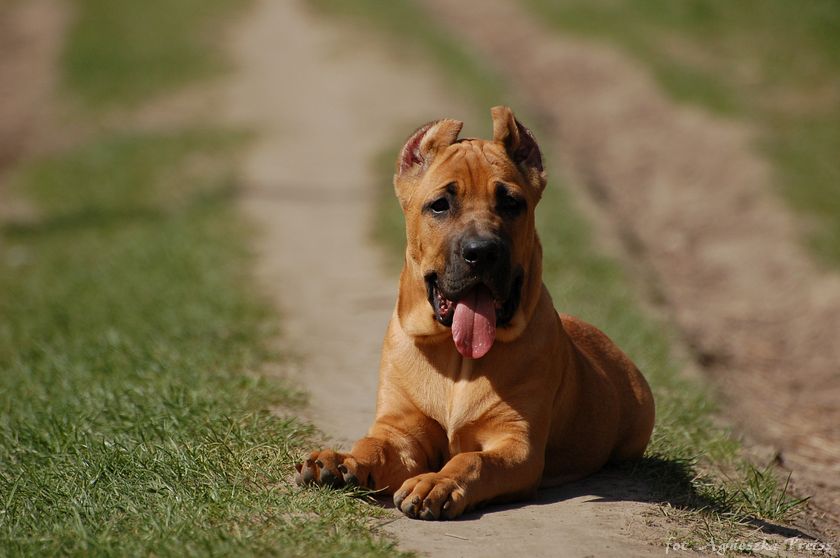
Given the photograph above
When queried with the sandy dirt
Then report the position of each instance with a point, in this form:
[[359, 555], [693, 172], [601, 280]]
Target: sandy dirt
[[688, 196], [31, 34], [325, 101]]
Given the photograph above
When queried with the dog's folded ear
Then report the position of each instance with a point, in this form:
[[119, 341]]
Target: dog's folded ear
[[520, 144], [420, 149], [422, 146]]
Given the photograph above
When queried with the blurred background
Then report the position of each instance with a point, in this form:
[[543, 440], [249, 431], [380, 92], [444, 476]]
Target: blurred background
[[180, 180]]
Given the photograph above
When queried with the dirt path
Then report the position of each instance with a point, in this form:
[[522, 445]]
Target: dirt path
[[689, 197], [325, 102], [30, 37]]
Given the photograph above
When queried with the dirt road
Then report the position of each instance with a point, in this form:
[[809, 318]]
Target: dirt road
[[325, 102], [31, 34]]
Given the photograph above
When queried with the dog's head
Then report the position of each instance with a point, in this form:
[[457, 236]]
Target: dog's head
[[472, 248]]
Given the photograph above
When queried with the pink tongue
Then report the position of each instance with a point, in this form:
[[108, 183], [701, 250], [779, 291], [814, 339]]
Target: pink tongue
[[474, 323]]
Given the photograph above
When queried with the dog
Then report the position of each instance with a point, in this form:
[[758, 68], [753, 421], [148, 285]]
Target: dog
[[485, 391]]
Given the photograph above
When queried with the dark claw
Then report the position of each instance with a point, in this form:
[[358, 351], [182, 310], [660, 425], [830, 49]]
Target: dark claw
[[427, 514], [328, 478], [444, 511], [349, 478], [308, 472], [414, 507], [398, 499]]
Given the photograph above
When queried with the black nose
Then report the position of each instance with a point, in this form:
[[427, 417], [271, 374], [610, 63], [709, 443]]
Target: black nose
[[480, 251]]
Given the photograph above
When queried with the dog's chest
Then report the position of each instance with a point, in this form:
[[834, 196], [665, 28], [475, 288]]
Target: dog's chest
[[460, 401]]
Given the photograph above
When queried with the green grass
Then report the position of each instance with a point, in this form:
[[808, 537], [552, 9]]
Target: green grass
[[123, 52], [692, 463], [775, 64], [134, 419], [131, 417]]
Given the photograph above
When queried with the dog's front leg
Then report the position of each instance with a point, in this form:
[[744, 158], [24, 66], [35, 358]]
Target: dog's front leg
[[507, 467], [396, 448]]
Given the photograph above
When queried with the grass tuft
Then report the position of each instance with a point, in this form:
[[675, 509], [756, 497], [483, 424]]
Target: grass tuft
[[761, 494]]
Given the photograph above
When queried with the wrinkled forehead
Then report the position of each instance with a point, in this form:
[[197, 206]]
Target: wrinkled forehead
[[472, 163]]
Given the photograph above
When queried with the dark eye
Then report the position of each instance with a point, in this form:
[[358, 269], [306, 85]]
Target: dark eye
[[509, 204], [440, 205]]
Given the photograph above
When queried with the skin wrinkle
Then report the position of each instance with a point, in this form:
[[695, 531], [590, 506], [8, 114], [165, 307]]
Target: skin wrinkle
[[475, 162], [477, 215]]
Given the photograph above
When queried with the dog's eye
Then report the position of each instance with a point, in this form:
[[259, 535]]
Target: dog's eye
[[440, 205], [509, 204]]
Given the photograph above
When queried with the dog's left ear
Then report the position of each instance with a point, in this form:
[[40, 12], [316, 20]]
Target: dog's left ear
[[520, 144]]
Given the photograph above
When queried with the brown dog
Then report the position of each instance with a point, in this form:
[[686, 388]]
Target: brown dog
[[484, 390]]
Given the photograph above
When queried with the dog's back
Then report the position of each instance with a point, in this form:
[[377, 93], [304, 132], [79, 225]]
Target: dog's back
[[605, 361]]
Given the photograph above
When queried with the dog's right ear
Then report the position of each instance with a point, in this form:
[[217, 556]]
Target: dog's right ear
[[420, 150]]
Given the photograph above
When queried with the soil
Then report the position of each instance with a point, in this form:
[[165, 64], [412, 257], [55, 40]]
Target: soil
[[31, 34], [688, 196]]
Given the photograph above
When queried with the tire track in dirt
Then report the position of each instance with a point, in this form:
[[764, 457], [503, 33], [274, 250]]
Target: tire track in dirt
[[693, 200], [324, 100]]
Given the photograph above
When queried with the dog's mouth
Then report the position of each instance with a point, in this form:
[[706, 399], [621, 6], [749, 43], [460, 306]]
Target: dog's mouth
[[473, 313]]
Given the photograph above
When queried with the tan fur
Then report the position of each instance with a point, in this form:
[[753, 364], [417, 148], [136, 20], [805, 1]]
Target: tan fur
[[554, 399]]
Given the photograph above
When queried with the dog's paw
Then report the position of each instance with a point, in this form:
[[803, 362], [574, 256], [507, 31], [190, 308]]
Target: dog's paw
[[330, 468], [431, 496]]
